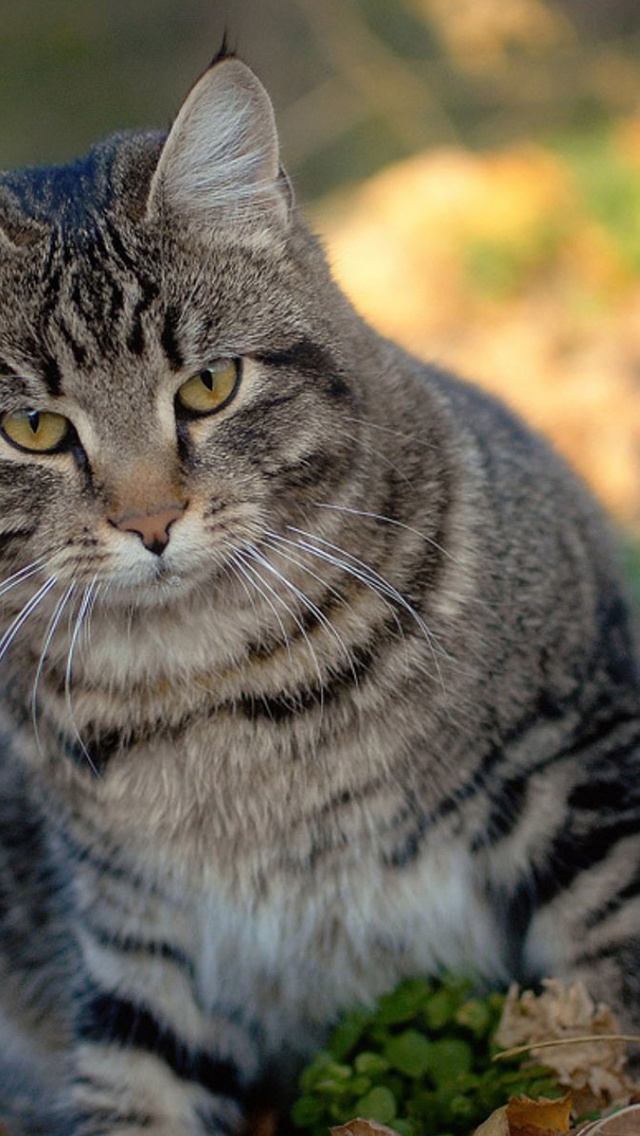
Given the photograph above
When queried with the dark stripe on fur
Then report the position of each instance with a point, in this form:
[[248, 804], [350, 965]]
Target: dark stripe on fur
[[135, 338], [118, 247], [280, 707], [482, 781], [8, 538], [93, 753], [312, 470], [631, 890], [312, 361], [51, 373], [107, 1018], [567, 857], [78, 351], [169, 339], [129, 944], [574, 852], [109, 1120], [108, 864]]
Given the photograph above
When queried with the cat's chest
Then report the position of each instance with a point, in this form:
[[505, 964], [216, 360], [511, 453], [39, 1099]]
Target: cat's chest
[[311, 946]]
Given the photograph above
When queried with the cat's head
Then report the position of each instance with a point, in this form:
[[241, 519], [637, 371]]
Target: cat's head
[[172, 380]]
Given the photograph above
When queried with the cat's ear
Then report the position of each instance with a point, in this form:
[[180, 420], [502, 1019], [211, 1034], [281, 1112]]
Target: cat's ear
[[219, 168]]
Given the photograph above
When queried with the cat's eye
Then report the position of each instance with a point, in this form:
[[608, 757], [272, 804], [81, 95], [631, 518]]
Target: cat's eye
[[40, 431], [211, 389]]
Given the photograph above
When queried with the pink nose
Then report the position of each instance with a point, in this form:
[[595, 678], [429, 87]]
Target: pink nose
[[152, 528]]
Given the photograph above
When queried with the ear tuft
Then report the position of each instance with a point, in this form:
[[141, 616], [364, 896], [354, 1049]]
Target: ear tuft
[[224, 51], [219, 168]]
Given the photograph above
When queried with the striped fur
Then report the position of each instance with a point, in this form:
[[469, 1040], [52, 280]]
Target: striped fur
[[371, 709]]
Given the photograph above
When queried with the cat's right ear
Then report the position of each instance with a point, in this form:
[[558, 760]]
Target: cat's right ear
[[219, 169]]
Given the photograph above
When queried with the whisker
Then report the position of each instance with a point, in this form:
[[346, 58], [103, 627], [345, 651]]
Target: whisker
[[394, 433], [254, 571], [368, 576], [53, 623], [327, 558], [387, 520], [366, 445], [85, 606], [21, 575], [271, 540], [241, 568], [317, 613], [24, 613]]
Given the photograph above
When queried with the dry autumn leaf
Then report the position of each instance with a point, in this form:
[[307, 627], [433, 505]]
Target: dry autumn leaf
[[592, 1067], [525, 1117], [623, 1123], [361, 1127]]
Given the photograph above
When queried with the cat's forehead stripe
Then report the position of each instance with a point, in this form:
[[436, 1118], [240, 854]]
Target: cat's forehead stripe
[[23, 386], [51, 374]]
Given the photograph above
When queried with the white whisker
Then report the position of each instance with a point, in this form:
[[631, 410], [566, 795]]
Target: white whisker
[[24, 614], [387, 520], [86, 605], [254, 571], [366, 445], [372, 579], [274, 541], [53, 623], [21, 575], [394, 433], [242, 568]]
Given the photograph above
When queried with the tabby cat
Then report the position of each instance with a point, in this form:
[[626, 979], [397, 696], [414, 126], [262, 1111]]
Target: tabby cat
[[317, 671]]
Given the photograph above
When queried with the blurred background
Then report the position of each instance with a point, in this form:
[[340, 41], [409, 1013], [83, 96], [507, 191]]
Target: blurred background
[[472, 165]]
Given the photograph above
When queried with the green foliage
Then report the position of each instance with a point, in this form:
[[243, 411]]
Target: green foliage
[[500, 269], [609, 186], [420, 1062]]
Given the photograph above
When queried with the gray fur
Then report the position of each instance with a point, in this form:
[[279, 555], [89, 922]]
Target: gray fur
[[373, 709]]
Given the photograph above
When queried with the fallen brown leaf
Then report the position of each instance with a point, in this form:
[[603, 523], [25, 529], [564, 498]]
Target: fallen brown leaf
[[626, 1122], [592, 1067], [361, 1127], [525, 1117]]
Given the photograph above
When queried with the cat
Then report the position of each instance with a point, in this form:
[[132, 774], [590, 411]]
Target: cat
[[317, 667]]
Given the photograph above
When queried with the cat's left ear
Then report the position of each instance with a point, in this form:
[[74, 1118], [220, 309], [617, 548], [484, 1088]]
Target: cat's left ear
[[219, 168]]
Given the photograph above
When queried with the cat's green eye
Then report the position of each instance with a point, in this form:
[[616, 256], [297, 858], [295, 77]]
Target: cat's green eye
[[40, 431], [211, 389]]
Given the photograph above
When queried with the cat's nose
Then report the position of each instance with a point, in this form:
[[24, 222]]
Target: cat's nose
[[152, 528]]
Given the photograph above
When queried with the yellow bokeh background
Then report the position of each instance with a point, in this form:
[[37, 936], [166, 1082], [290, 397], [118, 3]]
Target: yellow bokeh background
[[500, 266]]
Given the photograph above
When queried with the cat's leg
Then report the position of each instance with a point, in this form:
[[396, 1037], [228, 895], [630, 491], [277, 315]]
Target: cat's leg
[[148, 1056], [591, 930], [565, 871]]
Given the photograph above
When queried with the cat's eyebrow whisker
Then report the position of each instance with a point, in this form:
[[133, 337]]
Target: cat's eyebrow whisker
[[23, 615], [51, 629]]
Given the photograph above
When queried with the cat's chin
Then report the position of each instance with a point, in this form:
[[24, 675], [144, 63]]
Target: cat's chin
[[155, 588]]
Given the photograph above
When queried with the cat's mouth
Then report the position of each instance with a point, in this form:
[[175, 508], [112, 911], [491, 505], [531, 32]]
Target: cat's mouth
[[161, 581]]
